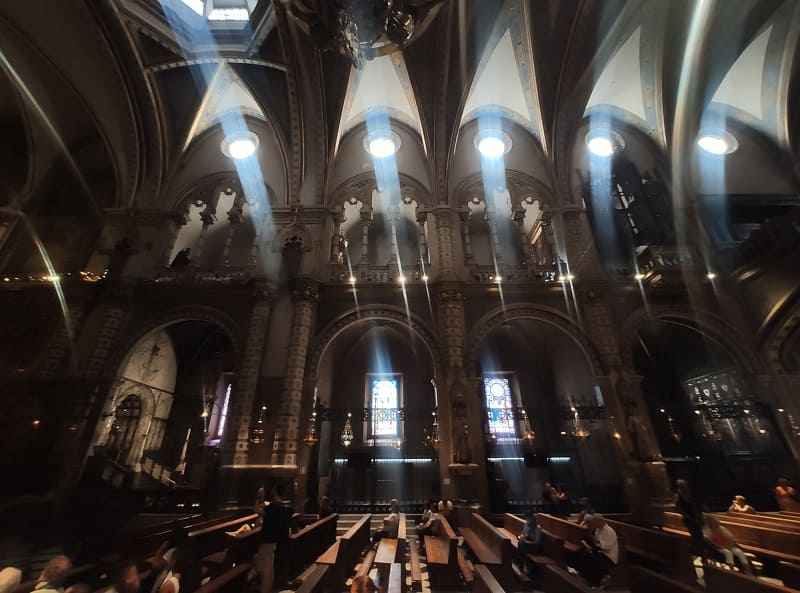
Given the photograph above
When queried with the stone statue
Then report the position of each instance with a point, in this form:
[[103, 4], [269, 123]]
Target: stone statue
[[462, 450]]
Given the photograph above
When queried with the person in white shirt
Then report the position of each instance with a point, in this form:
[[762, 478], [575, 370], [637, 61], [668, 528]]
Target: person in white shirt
[[432, 522], [600, 552], [391, 522]]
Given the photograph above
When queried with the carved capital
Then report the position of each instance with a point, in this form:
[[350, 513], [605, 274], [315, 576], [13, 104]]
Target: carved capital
[[451, 296], [306, 290], [263, 291]]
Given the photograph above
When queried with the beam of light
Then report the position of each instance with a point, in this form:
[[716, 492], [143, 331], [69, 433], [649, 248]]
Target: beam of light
[[42, 117], [234, 126], [54, 278], [352, 279], [427, 286]]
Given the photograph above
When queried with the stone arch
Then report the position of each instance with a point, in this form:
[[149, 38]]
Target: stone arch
[[519, 185], [359, 188], [208, 187], [171, 317], [536, 312], [788, 321], [389, 314], [707, 323]]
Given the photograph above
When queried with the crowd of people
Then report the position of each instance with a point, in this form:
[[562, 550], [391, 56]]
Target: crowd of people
[[176, 566]]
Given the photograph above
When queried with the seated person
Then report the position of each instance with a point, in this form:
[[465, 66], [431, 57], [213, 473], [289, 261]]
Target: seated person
[[585, 507], [528, 543], [432, 523], [391, 522], [54, 575], [125, 578], [739, 505], [600, 552], [787, 496], [721, 541], [10, 577]]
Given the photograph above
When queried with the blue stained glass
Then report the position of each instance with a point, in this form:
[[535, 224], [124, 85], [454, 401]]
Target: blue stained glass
[[384, 404], [499, 406]]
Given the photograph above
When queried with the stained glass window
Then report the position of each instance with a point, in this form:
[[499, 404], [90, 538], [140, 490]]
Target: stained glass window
[[384, 406], [499, 406], [223, 414]]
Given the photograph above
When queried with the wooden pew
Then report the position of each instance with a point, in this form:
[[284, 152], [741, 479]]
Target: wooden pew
[[401, 534], [485, 582], [765, 542], [558, 580], [445, 563], [393, 577], [311, 541], [720, 580], [644, 580], [366, 563], [662, 552], [571, 533], [761, 520], [345, 553], [790, 574], [491, 547], [314, 581], [416, 568], [231, 581], [551, 547]]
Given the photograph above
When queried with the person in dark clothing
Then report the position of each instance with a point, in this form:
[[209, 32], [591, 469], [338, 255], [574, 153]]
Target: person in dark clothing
[[325, 508], [274, 537], [692, 517], [528, 543]]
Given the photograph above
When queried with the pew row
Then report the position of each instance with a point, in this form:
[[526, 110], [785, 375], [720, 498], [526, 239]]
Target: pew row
[[491, 547], [721, 580], [343, 555], [485, 582], [446, 564], [644, 580]]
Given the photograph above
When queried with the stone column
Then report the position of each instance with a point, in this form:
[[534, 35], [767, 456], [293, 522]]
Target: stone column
[[235, 218], [464, 218], [240, 406], [284, 446], [337, 242], [529, 261], [393, 215], [366, 219], [422, 240], [444, 235], [208, 217], [490, 218], [457, 404]]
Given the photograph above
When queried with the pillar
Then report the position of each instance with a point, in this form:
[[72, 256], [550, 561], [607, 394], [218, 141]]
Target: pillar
[[366, 219], [337, 241], [240, 406], [527, 251], [444, 235], [208, 217], [458, 404], [284, 446], [178, 220], [464, 218], [422, 239]]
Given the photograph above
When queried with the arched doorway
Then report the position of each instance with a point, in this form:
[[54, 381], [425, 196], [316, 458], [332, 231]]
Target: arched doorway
[[375, 372], [531, 367], [711, 423], [165, 415]]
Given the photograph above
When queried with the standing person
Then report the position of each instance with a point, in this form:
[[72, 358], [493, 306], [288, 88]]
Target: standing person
[[529, 541], [787, 497], [274, 536], [739, 505], [721, 540], [600, 552], [692, 517]]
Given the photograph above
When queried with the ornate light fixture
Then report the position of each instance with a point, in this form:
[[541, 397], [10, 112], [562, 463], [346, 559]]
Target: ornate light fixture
[[347, 432], [311, 437], [257, 431], [432, 439], [579, 430], [362, 29], [528, 436]]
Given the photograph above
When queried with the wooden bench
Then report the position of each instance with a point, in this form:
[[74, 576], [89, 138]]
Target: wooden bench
[[644, 580], [662, 552], [551, 547], [231, 581], [571, 533], [365, 565], [485, 582], [720, 580], [415, 566], [401, 534], [445, 564], [558, 580], [762, 521], [491, 547], [770, 545], [392, 576], [310, 542], [314, 580], [790, 574], [343, 555]]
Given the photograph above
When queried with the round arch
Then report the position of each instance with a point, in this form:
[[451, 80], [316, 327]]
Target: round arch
[[171, 317], [706, 323], [787, 321], [392, 315], [547, 315], [359, 188]]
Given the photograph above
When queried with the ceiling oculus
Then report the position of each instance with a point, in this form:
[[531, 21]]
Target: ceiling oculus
[[381, 143], [493, 144], [604, 143], [239, 145], [717, 143]]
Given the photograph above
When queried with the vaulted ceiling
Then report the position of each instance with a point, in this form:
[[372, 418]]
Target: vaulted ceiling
[[131, 99]]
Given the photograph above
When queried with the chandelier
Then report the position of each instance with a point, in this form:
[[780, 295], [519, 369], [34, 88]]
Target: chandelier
[[311, 437], [529, 436], [432, 439], [347, 432], [362, 29]]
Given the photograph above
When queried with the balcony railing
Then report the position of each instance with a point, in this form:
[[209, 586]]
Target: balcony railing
[[488, 274]]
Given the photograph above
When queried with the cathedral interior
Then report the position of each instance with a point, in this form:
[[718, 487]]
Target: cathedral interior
[[419, 250]]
